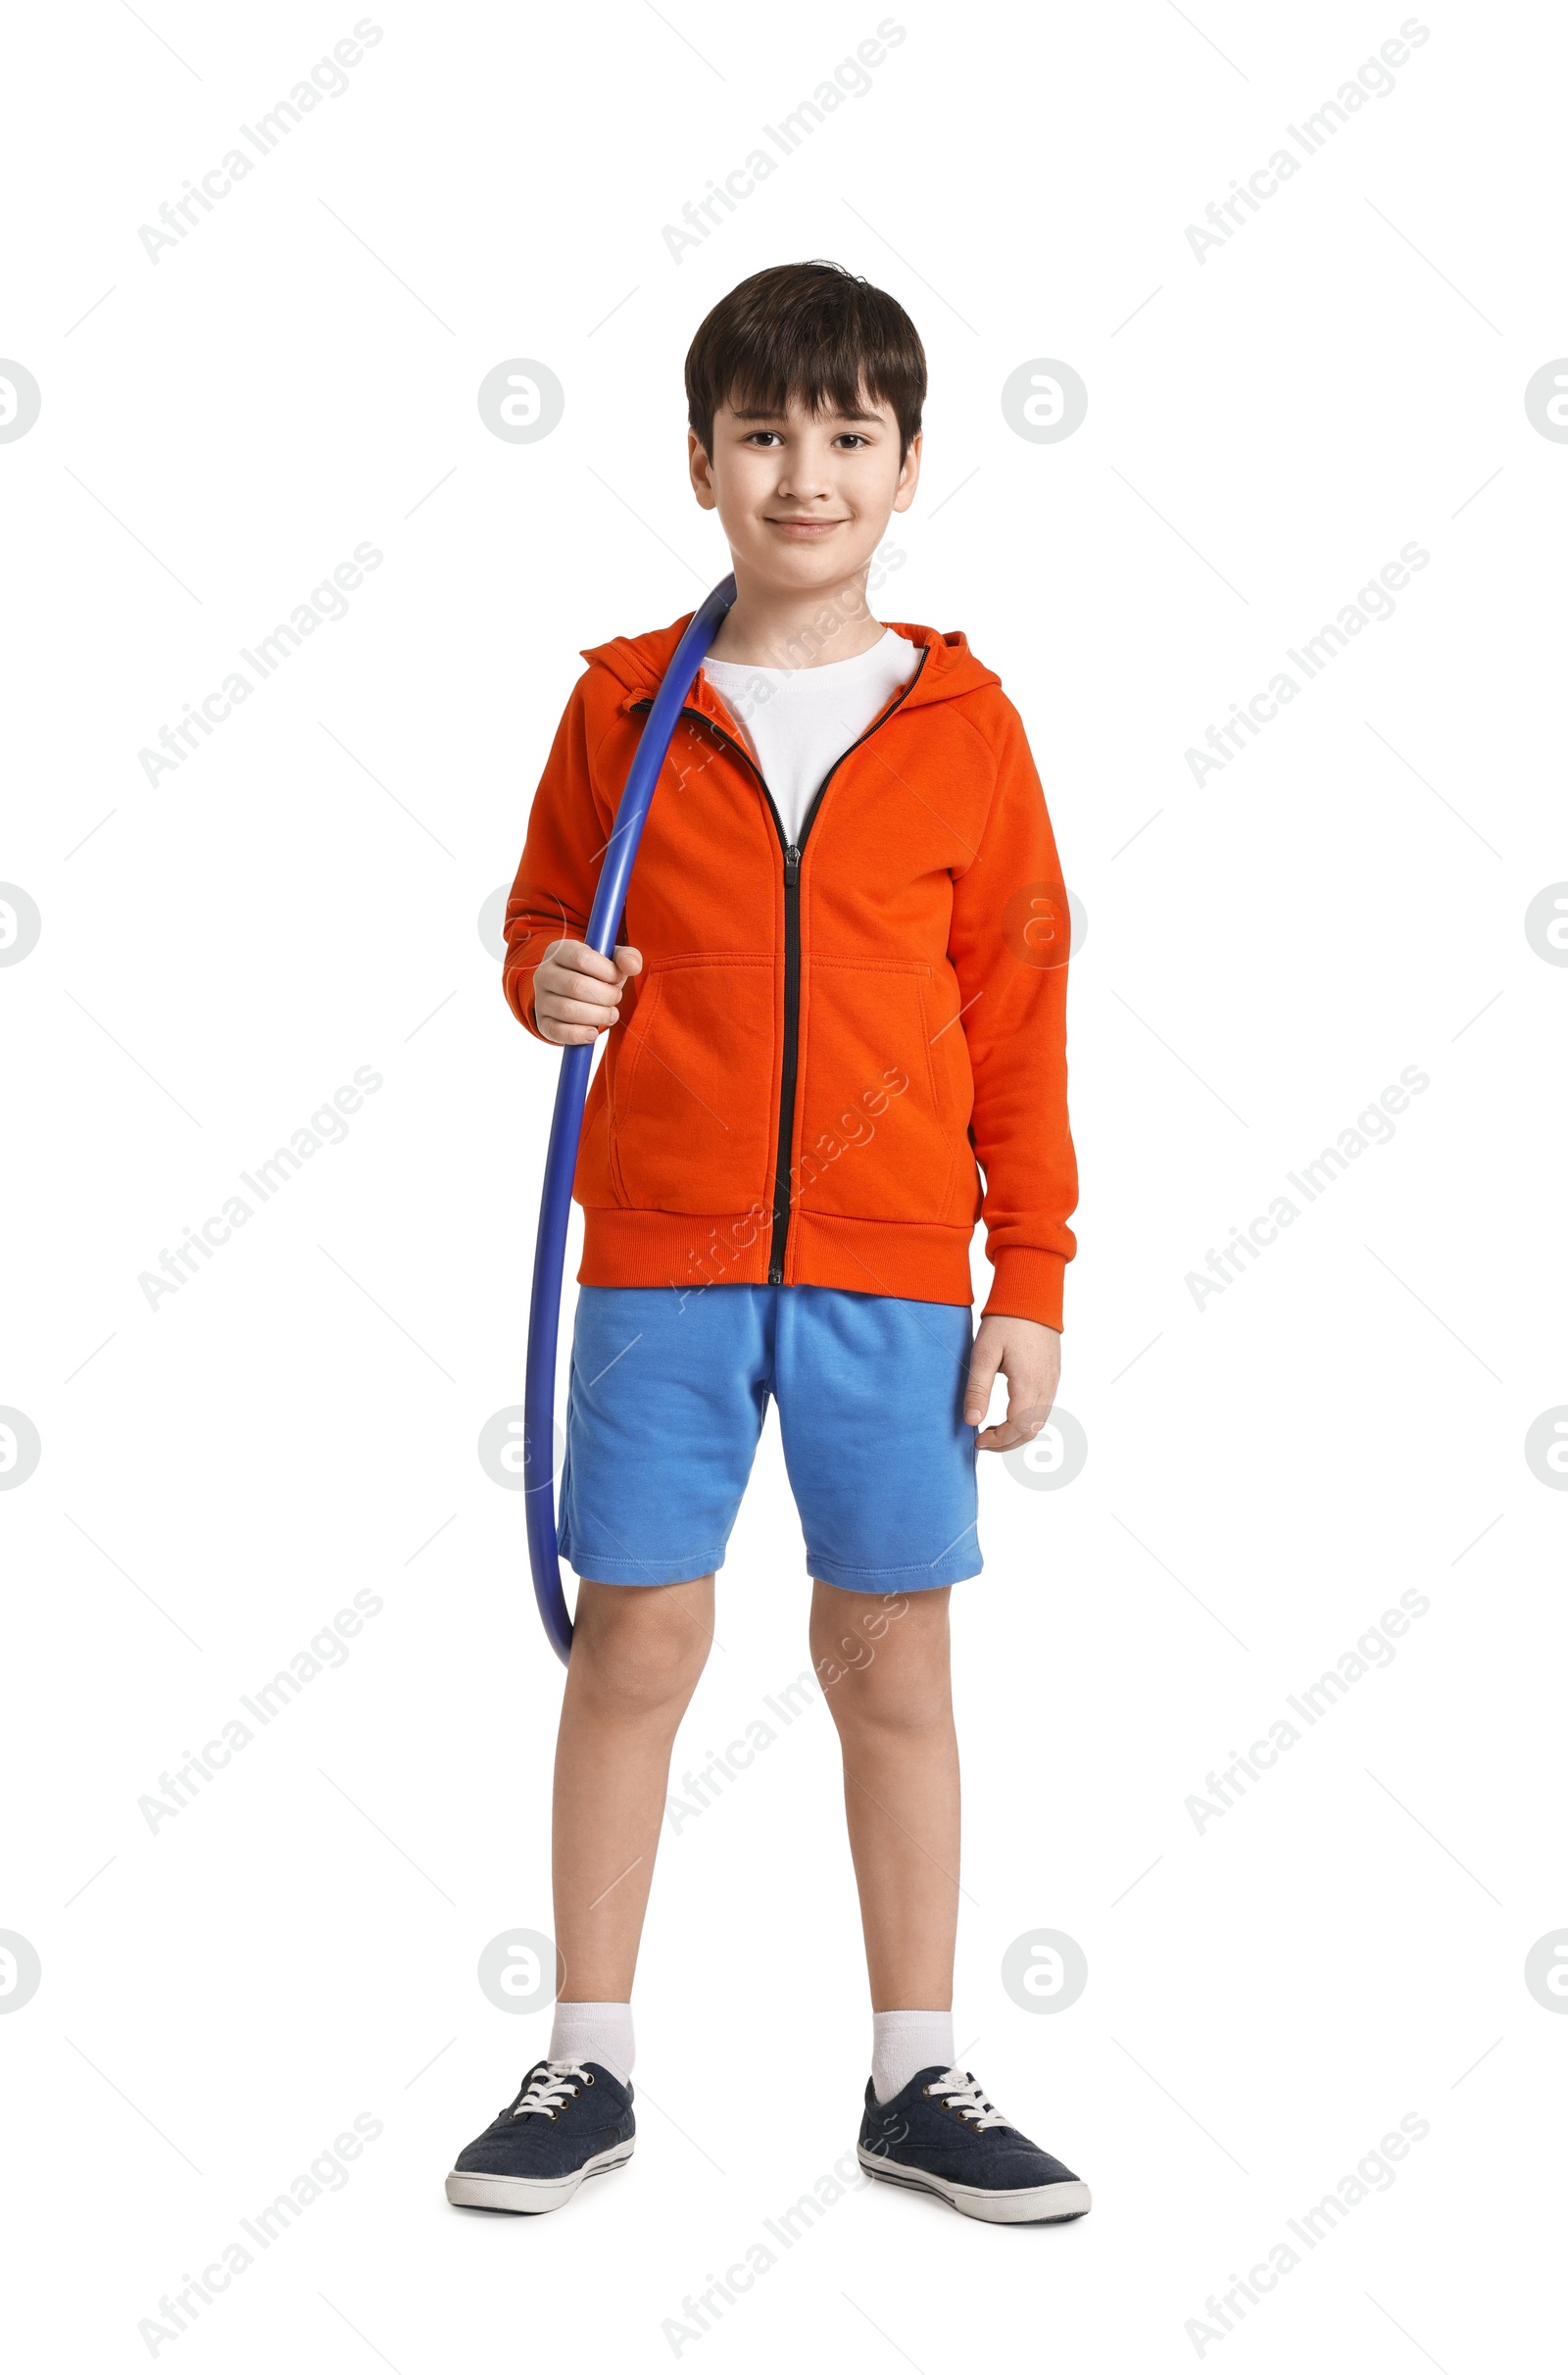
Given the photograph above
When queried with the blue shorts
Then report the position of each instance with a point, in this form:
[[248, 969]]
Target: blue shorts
[[669, 1393]]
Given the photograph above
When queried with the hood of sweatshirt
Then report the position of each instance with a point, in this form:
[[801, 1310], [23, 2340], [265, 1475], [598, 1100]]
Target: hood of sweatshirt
[[637, 663]]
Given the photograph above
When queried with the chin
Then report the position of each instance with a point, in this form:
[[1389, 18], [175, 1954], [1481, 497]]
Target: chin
[[804, 566]]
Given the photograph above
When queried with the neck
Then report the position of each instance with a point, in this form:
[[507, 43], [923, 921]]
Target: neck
[[771, 626]]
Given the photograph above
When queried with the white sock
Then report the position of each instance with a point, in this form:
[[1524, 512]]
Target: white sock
[[902, 2043], [594, 2032]]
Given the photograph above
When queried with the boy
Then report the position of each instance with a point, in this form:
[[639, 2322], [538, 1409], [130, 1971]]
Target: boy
[[843, 986]]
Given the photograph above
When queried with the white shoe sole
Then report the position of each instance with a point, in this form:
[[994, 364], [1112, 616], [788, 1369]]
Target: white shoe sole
[[975, 2201], [480, 2190]]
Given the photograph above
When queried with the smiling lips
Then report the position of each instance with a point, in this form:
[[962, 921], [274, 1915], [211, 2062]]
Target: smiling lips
[[806, 527]]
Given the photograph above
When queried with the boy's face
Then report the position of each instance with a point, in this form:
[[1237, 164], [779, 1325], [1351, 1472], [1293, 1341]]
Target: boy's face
[[803, 498]]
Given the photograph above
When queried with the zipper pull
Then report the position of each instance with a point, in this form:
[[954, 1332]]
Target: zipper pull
[[792, 866]]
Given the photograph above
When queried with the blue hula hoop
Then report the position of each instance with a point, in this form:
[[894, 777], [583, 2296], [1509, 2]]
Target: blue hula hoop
[[565, 1126]]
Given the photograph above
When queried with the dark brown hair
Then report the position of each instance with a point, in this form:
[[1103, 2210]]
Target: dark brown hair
[[813, 332]]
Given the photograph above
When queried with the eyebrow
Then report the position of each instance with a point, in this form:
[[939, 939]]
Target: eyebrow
[[771, 418]]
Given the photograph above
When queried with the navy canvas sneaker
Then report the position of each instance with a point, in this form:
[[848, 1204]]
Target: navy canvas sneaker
[[569, 2120], [941, 2135]]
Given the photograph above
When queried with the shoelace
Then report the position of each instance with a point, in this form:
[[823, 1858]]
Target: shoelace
[[957, 2087], [551, 2088]]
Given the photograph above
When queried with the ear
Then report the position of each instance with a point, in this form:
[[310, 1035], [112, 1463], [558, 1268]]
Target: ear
[[702, 471], [908, 473]]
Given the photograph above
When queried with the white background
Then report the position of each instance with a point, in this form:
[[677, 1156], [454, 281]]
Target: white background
[[220, 950]]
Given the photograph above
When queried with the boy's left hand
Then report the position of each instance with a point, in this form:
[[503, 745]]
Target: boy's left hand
[[1029, 1357]]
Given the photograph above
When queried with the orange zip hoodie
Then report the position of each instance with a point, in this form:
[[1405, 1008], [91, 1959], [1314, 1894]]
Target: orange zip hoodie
[[828, 1044]]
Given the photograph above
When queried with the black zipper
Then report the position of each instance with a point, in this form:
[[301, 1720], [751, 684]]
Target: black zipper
[[792, 1051], [793, 853]]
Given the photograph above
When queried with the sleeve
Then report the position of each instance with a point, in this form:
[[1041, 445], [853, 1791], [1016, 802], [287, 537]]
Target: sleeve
[[553, 895], [1008, 944]]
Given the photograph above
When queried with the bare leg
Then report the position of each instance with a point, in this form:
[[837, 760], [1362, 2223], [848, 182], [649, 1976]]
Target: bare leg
[[635, 1659], [883, 1665]]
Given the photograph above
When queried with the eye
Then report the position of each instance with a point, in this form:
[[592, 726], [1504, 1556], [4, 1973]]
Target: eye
[[851, 437], [756, 436]]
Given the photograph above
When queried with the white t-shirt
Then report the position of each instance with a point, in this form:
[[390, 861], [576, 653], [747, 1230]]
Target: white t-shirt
[[798, 720]]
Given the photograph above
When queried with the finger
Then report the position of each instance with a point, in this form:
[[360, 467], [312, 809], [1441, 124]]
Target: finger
[[576, 1011], [628, 959], [983, 1367], [1004, 1437], [557, 982], [577, 957], [1022, 1424], [565, 1034]]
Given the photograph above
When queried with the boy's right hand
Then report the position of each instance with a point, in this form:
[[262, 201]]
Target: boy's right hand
[[576, 992]]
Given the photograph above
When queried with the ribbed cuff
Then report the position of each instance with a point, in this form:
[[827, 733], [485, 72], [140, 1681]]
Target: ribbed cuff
[[1027, 1285], [518, 987], [518, 980]]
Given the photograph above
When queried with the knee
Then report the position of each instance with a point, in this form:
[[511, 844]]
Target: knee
[[865, 1701], [901, 1685], [638, 1652]]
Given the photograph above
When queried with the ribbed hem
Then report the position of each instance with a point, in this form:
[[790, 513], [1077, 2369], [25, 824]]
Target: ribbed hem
[[917, 1261], [684, 1251]]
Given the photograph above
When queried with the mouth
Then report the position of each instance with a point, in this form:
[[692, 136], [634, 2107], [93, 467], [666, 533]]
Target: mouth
[[806, 529]]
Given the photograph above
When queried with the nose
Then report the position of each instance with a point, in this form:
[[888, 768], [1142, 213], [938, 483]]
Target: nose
[[805, 480]]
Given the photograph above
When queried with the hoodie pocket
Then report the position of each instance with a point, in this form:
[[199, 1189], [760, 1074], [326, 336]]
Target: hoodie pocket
[[878, 1140], [689, 1126]]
